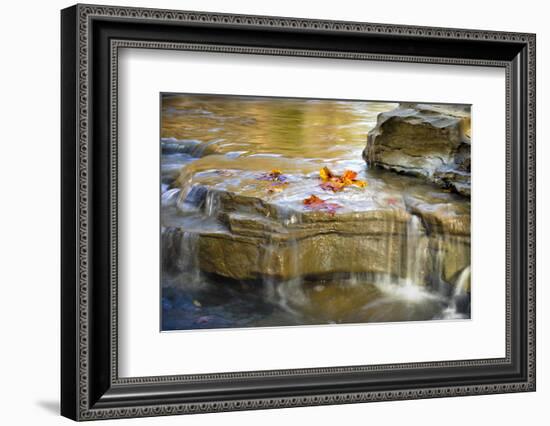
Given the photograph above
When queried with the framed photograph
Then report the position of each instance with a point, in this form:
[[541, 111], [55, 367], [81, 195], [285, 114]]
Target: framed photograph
[[263, 212]]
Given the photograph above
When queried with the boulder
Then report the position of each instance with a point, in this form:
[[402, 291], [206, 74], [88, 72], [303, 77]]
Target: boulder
[[430, 141], [259, 237]]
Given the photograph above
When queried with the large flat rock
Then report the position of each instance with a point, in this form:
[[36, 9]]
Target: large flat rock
[[379, 230]]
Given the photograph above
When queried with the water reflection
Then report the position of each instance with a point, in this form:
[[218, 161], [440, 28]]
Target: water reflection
[[221, 144], [290, 128]]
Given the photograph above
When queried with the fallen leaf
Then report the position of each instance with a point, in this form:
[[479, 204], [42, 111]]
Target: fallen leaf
[[325, 174], [274, 175], [315, 203], [335, 183], [349, 175], [313, 200], [333, 186]]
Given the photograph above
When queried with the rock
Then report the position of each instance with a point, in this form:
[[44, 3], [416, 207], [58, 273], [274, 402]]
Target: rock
[[450, 256], [230, 224], [179, 146], [196, 196], [448, 226], [259, 238], [431, 141], [441, 217]]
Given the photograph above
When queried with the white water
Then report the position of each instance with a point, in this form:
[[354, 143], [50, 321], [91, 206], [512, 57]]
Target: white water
[[461, 285], [460, 289], [416, 252], [411, 285]]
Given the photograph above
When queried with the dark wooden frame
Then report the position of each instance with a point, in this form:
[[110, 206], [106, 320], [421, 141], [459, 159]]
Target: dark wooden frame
[[90, 386]]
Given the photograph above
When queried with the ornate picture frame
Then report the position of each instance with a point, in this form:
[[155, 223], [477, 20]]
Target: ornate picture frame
[[91, 37]]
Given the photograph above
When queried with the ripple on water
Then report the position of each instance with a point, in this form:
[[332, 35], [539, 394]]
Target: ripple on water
[[218, 143]]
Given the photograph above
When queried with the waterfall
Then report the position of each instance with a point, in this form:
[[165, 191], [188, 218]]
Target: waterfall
[[192, 198], [438, 282], [461, 285], [292, 290], [459, 295], [407, 273], [180, 252], [408, 264], [212, 204], [416, 252], [289, 293], [169, 197]]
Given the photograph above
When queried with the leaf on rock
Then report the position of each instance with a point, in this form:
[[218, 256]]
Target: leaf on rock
[[333, 186], [274, 175], [325, 174], [313, 200], [315, 203], [349, 175], [335, 183]]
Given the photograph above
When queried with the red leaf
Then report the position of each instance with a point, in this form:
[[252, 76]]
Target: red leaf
[[315, 203]]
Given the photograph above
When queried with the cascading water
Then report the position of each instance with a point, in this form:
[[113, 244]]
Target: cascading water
[[211, 204], [169, 197], [417, 252], [221, 158], [459, 301], [409, 283], [462, 282], [180, 251], [288, 294]]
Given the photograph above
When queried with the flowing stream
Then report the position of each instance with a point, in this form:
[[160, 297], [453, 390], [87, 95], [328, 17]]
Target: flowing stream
[[214, 145]]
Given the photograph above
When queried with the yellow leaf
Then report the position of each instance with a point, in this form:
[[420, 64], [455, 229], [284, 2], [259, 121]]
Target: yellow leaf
[[325, 174], [346, 181]]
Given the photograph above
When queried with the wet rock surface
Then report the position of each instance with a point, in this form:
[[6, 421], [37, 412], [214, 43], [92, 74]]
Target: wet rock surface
[[240, 249], [378, 230]]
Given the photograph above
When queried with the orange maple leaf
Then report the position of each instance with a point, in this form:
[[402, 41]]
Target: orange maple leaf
[[313, 200], [335, 183], [315, 203]]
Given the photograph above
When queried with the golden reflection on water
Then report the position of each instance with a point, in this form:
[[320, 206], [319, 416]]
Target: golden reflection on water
[[239, 137], [233, 140], [292, 128]]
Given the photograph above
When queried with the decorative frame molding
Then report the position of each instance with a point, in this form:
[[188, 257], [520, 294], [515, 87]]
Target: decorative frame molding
[[87, 397]]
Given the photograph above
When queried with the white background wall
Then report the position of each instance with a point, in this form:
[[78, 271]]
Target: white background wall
[[29, 213]]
